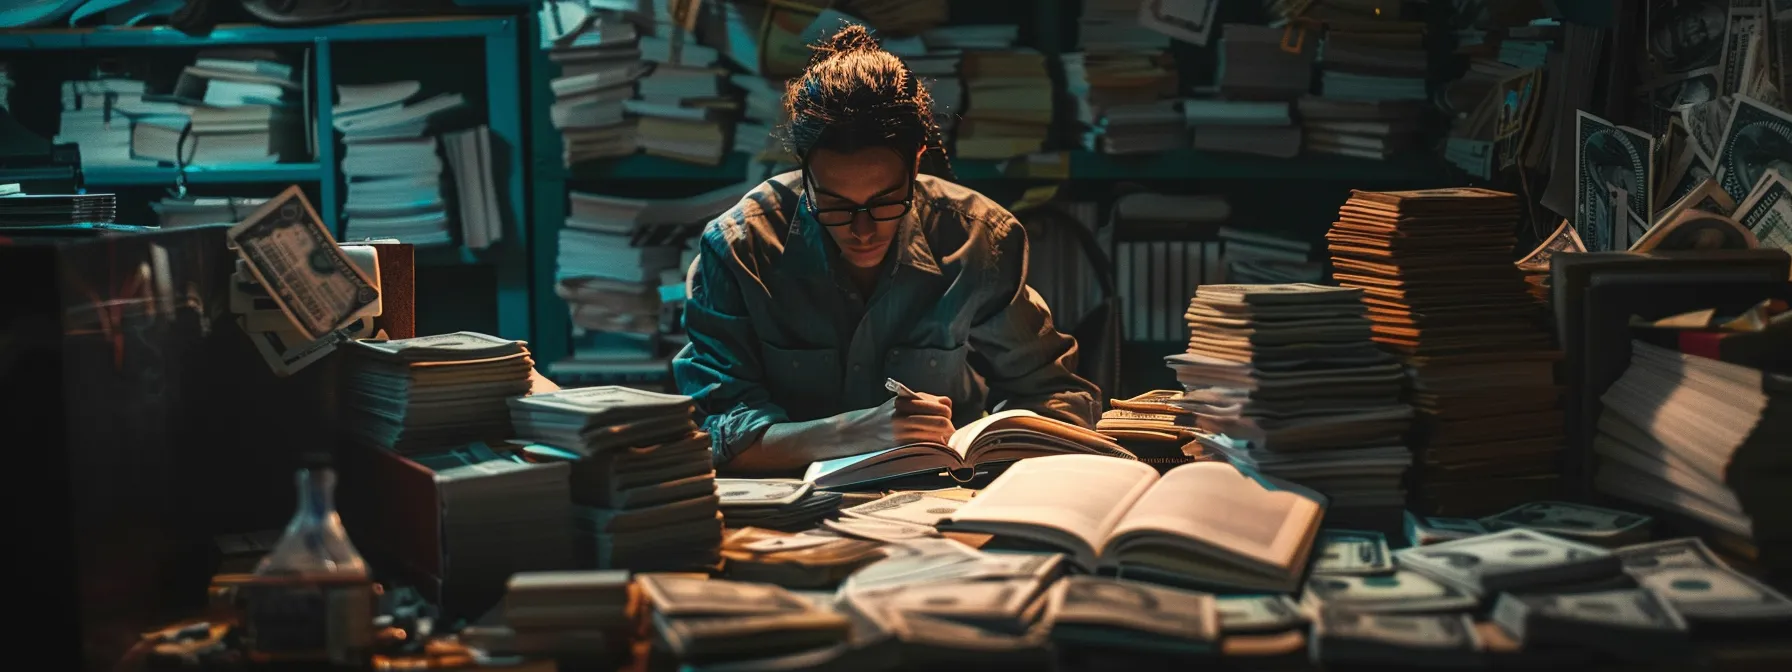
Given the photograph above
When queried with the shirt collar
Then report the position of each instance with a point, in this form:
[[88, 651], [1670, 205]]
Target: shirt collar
[[808, 250]]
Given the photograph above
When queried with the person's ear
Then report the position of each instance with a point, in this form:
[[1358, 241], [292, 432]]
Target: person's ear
[[917, 164]]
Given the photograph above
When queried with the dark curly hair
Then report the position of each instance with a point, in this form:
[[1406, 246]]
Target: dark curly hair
[[855, 95]]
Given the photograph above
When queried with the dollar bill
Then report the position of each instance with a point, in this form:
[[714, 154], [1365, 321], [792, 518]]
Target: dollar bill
[[1685, 44], [1615, 620], [1780, 28], [604, 400], [1003, 604], [1426, 640], [460, 345], [1767, 212], [1612, 181], [1259, 613], [1565, 240], [1757, 140], [286, 351], [1593, 524], [1742, 26], [1132, 605], [1518, 558], [679, 595], [1400, 592], [875, 529], [1705, 127], [1191, 21], [746, 492], [917, 508], [293, 256], [1351, 552], [1699, 585], [915, 560]]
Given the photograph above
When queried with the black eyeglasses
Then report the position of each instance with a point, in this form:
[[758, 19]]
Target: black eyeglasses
[[878, 212]]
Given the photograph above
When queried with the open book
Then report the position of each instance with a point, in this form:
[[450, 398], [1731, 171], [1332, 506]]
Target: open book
[[996, 438], [1202, 524]]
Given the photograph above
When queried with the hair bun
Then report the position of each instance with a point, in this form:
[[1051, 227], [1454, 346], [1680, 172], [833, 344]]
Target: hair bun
[[852, 37]]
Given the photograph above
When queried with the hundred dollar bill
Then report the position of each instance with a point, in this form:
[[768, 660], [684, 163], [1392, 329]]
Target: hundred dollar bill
[[293, 256], [742, 492], [1685, 49], [1705, 127], [1351, 552], [1742, 27], [1564, 241], [1767, 212], [1612, 182], [1400, 592], [1098, 602], [1429, 640], [1629, 623], [1259, 613], [1757, 140], [1700, 586], [918, 508], [1606, 527], [1508, 560]]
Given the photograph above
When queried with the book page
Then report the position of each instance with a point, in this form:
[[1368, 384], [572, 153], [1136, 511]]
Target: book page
[[1083, 496], [1214, 505], [817, 470], [965, 436]]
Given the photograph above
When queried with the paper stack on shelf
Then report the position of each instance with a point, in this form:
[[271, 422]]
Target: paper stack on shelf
[[762, 112], [615, 255], [97, 116], [471, 159], [1435, 268], [1253, 65], [1119, 81], [1263, 127], [1007, 90], [35, 210], [235, 107], [433, 392], [642, 483], [173, 212], [1369, 58], [394, 170], [939, 69], [1291, 378], [599, 65], [682, 109]]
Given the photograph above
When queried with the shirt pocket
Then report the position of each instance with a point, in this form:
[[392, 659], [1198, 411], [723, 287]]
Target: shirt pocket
[[938, 371], [806, 383]]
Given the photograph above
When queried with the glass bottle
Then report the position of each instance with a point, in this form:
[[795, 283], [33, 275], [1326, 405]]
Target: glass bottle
[[313, 599]]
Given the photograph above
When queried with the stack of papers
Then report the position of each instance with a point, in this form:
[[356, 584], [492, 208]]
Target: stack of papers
[[572, 613], [786, 504], [498, 515], [434, 392], [643, 487]]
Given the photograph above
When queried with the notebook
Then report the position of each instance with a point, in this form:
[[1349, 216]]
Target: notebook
[[998, 438]]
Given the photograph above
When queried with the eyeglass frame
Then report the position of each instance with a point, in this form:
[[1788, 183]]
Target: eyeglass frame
[[908, 203]]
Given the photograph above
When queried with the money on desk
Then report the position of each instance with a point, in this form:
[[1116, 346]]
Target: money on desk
[[1428, 640], [1403, 591], [1103, 611], [1633, 624], [1595, 525], [1424, 531], [305, 272], [1259, 613], [1701, 587], [1508, 560], [1351, 552]]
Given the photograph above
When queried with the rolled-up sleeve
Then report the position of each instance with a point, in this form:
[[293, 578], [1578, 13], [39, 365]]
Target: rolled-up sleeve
[[1028, 361], [720, 369]]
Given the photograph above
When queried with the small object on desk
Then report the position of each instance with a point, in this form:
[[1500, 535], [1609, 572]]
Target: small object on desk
[[1581, 522], [1511, 560], [900, 390]]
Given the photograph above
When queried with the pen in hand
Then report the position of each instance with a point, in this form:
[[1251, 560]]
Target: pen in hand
[[899, 389]]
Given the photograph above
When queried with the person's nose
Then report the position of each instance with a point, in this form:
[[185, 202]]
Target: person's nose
[[863, 227]]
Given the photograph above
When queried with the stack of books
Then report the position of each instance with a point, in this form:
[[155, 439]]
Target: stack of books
[[642, 485], [1119, 80], [97, 116], [1369, 57], [683, 110], [568, 614], [433, 392], [1263, 127], [1008, 91], [1435, 268], [393, 166], [235, 107], [1288, 374], [1257, 78], [762, 113], [599, 64], [775, 504]]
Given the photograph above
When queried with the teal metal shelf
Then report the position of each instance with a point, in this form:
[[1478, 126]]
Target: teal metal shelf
[[110, 37], [1174, 165], [132, 176]]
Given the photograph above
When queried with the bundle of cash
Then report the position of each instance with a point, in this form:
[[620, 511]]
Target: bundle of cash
[[699, 620], [1289, 375], [1512, 560], [591, 420], [1633, 624], [1111, 613], [570, 613], [433, 392], [1351, 552], [1241, 614], [1702, 588], [774, 503], [950, 606], [1424, 531], [1150, 418], [1401, 592], [1595, 525], [1422, 640], [1435, 268], [279, 341], [815, 559]]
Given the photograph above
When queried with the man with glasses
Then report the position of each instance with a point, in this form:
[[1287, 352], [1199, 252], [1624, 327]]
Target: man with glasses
[[824, 282]]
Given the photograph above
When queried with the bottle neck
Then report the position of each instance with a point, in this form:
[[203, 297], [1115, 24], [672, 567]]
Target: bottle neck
[[317, 489]]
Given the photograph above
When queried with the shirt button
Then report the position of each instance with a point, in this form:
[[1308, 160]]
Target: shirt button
[[932, 362]]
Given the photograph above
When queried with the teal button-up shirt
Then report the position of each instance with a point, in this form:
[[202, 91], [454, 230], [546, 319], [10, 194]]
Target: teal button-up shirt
[[779, 334]]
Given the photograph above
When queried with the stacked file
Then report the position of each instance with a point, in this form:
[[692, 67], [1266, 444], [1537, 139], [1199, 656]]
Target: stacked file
[[774, 504], [702, 621], [1254, 64], [682, 108], [1007, 90], [571, 614], [1289, 375], [1435, 269], [1378, 59], [496, 515], [97, 116], [23, 210], [229, 107], [394, 169], [1263, 127], [1693, 436], [599, 64], [433, 392], [643, 485], [1117, 80], [762, 112]]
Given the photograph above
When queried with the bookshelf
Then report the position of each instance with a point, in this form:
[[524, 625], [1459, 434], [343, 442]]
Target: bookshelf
[[502, 109]]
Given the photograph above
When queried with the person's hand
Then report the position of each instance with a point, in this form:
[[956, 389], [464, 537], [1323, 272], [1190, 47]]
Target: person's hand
[[897, 422]]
